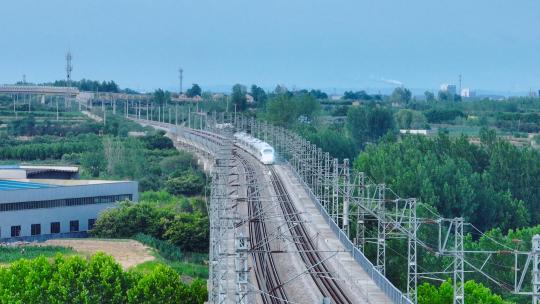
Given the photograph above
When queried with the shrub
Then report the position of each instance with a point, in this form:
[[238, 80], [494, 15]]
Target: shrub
[[164, 248], [98, 280], [188, 183], [129, 219], [189, 231]]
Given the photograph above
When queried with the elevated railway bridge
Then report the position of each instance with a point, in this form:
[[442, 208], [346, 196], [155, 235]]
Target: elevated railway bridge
[[296, 231]]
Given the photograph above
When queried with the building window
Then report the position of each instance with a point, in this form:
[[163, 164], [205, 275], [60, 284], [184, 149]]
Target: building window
[[15, 231], [91, 223], [55, 227], [65, 202], [35, 229], [73, 226]]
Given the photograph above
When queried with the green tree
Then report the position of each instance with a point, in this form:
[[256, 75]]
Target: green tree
[[238, 97], [185, 183], [459, 178], [93, 162], [401, 95], [25, 126], [404, 119], [162, 97], [189, 232], [195, 90], [334, 141], [307, 106], [281, 111], [474, 293], [259, 95], [100, 279], [360, 95], [161, 285], [129, 219], [487, 136], [284, 110], [369, 123], [430, 97]]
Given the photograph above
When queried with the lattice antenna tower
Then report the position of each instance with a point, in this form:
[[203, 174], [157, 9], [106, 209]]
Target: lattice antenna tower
[[69, 68]]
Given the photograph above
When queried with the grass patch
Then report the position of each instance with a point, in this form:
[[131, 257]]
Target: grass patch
[[171, 252], [192, 264], [189, 269], [183, 268], [13, 253]]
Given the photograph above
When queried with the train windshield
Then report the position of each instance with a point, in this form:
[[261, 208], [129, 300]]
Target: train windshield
[[268, 151]]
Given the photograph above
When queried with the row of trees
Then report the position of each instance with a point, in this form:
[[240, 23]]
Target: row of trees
[[97, 280], [51, 149], [286, 110], [90, 85], [28, 126], [152, 160], [492, 185], [364, 124]]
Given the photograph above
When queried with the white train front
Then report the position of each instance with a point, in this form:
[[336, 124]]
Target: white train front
[[256, 147]]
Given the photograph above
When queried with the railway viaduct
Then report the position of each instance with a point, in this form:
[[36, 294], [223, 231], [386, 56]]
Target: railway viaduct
[[272, 241]]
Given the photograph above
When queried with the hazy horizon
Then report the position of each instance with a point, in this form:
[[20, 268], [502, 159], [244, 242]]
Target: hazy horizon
[[303, 44]]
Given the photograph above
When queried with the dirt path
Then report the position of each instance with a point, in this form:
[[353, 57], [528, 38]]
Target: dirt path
[[92, 116], [126, 252]]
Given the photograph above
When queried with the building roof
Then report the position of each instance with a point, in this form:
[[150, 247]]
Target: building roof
[[6, 185], [73, 169]]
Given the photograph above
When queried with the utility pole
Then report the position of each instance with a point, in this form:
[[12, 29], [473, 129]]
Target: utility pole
[[69, 68], [181, 76]]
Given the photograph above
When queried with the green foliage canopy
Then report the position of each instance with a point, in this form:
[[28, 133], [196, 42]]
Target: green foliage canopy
[[98, 280]]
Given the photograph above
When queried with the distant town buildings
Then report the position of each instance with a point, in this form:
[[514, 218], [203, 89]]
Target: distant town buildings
[[449, 88], [468, 93]]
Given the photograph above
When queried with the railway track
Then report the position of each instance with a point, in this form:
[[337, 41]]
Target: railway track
[[319, 271], [265, 269]]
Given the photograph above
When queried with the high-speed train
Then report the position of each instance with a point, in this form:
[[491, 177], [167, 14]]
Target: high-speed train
[[256, 147]]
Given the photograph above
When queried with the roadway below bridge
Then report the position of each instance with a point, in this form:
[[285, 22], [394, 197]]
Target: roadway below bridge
[[294, 256]]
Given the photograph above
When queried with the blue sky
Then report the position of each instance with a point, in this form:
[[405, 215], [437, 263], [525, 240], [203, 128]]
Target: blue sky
[[341, 44]]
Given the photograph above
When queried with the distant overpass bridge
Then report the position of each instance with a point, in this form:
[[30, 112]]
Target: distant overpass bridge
[[38, 90]]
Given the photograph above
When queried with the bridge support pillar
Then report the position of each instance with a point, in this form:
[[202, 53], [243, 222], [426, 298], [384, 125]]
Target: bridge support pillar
[[412, 278], [459, 273], [381, 229], [536, 269]]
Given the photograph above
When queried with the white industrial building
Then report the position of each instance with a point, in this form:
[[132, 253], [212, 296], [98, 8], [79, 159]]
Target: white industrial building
[[45, 208], [468, 93], [449, 88]]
